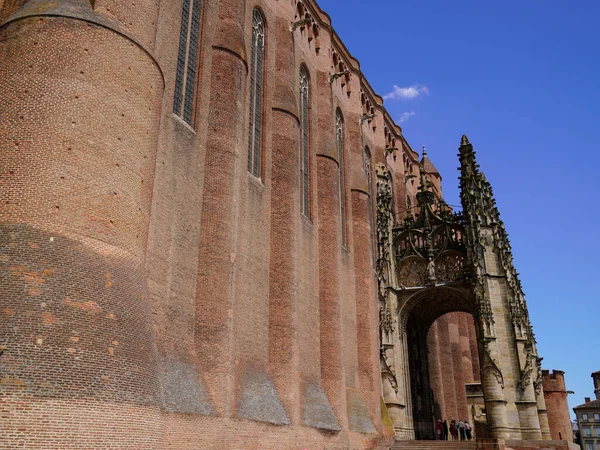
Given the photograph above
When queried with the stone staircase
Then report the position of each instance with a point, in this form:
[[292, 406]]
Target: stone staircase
[[434, 445]]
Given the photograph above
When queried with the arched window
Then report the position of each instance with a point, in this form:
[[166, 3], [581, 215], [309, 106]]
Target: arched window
[[367, 166], [304, 144], [339, 136], [187, 61], [256, 82]]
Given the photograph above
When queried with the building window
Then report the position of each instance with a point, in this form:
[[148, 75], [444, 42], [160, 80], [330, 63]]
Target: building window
[[596, 417], [585, 417], [598, 432], [304, 144], [367, 166], [587, 431], [256, 83], [187, 61], [339, 136], [590, 446]]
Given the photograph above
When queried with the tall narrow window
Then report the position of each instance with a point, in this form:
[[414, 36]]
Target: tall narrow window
[[339, 135], [304, 143], [367, 165], [187, 60], [256, 75]]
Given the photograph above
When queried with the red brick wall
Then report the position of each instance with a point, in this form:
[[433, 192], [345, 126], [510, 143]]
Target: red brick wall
[[452, 364], [555, 394], [78, 139], [158, 295]]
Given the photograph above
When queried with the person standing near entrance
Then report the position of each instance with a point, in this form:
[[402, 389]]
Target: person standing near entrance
[[468, 430], [438, 430], [461, 430], [445, 430]]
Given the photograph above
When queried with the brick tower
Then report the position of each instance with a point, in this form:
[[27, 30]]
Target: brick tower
[[79, 130], [555, 394]]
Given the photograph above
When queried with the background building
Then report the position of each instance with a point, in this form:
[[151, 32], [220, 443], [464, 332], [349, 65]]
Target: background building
[[588, 418]]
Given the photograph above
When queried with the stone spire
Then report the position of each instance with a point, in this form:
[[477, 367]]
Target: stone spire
[[480, 210]]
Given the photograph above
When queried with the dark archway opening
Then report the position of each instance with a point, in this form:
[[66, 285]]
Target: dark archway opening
[[443, 363], [454, 372]]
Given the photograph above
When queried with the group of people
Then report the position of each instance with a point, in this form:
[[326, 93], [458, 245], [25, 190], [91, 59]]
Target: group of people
[[453, 431]]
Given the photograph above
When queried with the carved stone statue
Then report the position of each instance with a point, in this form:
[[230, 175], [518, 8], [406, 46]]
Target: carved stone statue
[[431, 271]]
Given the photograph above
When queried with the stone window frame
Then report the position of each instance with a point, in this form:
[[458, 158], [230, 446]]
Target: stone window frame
[[188, 61], [256, 85], [304, 110]]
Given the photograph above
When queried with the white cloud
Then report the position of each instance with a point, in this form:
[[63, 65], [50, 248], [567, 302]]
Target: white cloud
[[405, 116], [407, 92]]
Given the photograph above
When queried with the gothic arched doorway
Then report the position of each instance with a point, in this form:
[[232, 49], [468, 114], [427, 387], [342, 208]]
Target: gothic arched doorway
[[420, 314]]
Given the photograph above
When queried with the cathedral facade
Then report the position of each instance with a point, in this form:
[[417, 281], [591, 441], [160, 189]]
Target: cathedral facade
[[215, 236]]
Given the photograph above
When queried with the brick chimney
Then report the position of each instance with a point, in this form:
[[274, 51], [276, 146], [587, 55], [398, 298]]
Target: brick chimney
[[596, 377]]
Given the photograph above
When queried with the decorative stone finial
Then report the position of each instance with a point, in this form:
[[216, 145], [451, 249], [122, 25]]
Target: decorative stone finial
[[464, 140], [424, 152]]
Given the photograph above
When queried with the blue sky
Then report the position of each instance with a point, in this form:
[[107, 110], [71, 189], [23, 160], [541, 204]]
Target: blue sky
[[520, 78]]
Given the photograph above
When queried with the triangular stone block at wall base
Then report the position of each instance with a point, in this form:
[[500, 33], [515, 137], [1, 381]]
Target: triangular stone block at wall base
[[316, 411], [183, 389], [258, 399], [358, 414]]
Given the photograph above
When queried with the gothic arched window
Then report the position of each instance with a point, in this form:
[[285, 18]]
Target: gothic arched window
[[339, 137], [187, 61], [256, 83], [304, 144], [367, 166]]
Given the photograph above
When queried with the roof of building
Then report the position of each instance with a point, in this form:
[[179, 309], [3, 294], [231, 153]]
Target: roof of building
[[594, 404], [429, 167]]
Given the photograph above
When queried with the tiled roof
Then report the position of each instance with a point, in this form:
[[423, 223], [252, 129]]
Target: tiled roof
[[429, 167], [594, 404]]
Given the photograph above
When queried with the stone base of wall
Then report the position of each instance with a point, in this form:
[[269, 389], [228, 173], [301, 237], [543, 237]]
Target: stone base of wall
[[531, 445]]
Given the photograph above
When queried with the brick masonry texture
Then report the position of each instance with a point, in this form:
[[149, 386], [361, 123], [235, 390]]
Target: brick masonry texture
[[153, 293], [555, 393]]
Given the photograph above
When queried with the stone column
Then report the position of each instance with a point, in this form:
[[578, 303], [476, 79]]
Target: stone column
[[527, 403], [492, 383], [78, 139], [544, 421]]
